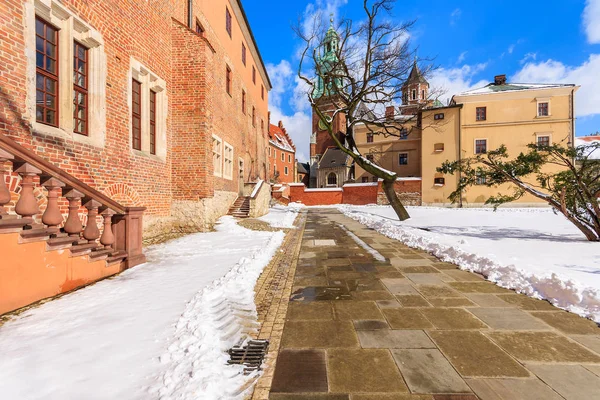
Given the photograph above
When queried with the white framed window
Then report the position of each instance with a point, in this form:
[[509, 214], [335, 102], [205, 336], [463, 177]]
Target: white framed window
[[543, 107], [285, 170], [68, 74], [282, 156], [289, 158], [480, 146], [543, 139], [227, 161], [217, 151], [148, 106]]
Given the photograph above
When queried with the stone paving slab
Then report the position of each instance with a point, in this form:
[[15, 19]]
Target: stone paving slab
[[428, 371], [512, 389], [573, 382], [416, 328]]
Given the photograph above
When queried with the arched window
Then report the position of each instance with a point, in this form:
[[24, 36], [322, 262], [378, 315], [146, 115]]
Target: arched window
[[332, 179]]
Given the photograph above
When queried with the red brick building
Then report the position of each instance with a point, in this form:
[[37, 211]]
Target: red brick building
[[160, 104], [282, 155]]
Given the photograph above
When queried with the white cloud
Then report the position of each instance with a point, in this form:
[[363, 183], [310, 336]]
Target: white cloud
[[528, 57], [511, 48], [299, 127], [587, 99], [455, 16], [280, 75], [462, 57], [446, 82], [591, 21]]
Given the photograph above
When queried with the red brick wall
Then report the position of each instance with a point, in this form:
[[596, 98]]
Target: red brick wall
[[191, 97], [360, 195], [355, 195], [124, 25], [314, 197]]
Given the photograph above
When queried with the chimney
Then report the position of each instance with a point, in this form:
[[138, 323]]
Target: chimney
[[280, 124], [390, 112], [500, 80]]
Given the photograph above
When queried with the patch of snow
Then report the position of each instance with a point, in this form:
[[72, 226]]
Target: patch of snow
[[376, 255], [360, 184], [106, 339], [257, 188], [325, 190], [532, 251], [282, 216]]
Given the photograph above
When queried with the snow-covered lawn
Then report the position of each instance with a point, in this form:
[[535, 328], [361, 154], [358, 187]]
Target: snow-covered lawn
[[156, 330], [530, 250], [282, 216]]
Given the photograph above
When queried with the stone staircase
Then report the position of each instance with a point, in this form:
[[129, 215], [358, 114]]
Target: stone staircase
[[45, 254], [241, 207]]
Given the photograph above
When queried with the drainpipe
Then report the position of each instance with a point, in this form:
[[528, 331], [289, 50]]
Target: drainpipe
[[190, 14], [460, 200]]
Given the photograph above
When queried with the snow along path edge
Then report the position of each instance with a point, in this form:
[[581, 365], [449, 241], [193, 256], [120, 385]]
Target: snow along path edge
[[220, 316], [562, 293]]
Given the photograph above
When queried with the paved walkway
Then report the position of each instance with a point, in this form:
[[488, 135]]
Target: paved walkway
[[370, 318]]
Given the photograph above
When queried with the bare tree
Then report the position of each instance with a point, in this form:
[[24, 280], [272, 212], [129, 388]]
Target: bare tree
[[358, 70]]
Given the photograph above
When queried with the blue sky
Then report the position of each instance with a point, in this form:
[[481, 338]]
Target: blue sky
[[531, 41]]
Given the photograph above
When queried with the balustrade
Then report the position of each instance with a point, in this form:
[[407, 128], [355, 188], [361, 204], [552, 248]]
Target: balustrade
[[4, 192]]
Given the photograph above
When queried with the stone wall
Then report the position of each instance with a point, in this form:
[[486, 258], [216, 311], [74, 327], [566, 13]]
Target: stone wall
[[259, 205]]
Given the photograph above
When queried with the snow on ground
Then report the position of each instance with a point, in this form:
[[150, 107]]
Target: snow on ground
[[282, 216], [533, 251], [159, 328]]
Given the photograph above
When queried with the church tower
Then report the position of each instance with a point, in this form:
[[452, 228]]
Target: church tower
[[415, 91], [325, 92]]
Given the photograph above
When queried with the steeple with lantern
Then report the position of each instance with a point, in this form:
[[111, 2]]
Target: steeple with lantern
[[415, 90], [327, 62]]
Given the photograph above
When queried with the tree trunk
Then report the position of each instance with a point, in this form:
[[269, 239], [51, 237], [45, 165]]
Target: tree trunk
[[390, 193]]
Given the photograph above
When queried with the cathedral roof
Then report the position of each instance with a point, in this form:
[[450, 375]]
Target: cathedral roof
[[334, 157]]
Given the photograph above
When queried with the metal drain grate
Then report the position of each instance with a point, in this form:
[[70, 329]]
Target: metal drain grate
[[251, 355]]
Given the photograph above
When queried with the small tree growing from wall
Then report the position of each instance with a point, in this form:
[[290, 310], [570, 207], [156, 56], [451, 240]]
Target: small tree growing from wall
[[359, 69], [574, 191]]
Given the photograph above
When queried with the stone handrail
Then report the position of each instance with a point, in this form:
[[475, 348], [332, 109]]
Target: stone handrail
[[122, 226]]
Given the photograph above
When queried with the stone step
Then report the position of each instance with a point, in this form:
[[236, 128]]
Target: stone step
[[10, 224], [100, 254], [82, 249], [38, 234], [116, 257], [60, 242]]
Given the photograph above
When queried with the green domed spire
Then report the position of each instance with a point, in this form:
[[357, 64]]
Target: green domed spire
[[328, 61]]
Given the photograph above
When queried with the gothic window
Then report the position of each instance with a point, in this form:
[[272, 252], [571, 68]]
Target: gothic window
[[136, 115], [332, 179], [80, 89]]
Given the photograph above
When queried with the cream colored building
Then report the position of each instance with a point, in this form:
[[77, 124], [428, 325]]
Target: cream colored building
[[501, 113], [483, 119]]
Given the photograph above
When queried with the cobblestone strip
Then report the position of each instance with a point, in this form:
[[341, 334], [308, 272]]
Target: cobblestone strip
[[273, 291]]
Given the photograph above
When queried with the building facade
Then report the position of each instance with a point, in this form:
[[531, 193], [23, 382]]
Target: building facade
[[160, 104], [282, 155], [501, 113]]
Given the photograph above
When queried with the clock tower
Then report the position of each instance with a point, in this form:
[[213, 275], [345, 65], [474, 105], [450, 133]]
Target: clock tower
[[326, 95]]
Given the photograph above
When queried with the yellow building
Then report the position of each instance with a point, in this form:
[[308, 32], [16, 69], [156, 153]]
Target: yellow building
[[483, 119], [501, 113]]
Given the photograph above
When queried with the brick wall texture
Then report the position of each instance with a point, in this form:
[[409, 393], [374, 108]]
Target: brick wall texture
[[193, 68]]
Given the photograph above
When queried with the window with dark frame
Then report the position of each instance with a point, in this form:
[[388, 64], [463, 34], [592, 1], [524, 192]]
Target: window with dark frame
[[439, 181], [543, 140], [262, 92], [414, 94], [403, 159], [438, 116], [369, 138], [136, 114], [543, 109], [80, 89], [199, 28], [152, 122], [374, 179], [228, 79], [244, 101], [243, 53], [46, 46], [253, 116], [262, 125], [481, 113], [480, 146], [228, 21], [253, 75], [403, 134], [332, 179], [365, 179], [480, 178]]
